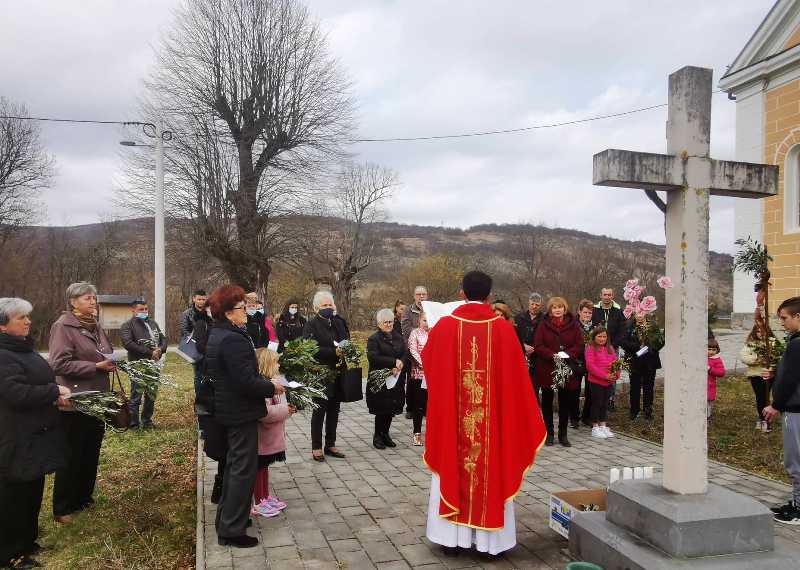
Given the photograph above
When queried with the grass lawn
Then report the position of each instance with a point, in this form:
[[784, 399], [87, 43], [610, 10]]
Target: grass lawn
[[732, 437], [144, 515]]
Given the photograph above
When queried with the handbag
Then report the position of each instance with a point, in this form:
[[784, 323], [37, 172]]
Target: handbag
[[187, 349], [121, 419], [351, 385]]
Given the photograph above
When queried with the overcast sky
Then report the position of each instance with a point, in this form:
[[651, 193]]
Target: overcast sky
[[418, 68]]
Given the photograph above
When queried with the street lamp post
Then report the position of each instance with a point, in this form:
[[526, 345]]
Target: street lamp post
[[160, 269]]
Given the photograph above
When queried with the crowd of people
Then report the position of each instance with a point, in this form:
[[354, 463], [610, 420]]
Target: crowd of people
[[242, 407]]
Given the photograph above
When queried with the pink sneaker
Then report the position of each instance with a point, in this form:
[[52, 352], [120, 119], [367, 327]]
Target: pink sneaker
[[276, 503], [264, 509]]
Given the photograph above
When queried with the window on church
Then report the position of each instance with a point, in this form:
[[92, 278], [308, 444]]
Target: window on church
[[791, 191]]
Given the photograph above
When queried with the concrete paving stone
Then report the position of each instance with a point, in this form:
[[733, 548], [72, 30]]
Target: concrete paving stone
[[373, 534], [282, 553], [222, 559], [311, 538], [345, 500], [322, 507], [418, 554], [336, 531], [352, 511], [277, 537], [252, 563], [404, 538], [381, 551], [357, 560], [345, 545], [319, 554], [396, 565]]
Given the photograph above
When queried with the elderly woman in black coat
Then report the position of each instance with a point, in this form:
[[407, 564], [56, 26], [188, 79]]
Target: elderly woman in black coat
[[239, 402], [385, 349], [32, 441]]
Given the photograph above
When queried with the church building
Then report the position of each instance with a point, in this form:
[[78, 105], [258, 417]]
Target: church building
[[764, 79]]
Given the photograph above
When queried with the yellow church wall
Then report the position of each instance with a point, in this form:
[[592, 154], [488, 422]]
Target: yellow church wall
[[781, 133]]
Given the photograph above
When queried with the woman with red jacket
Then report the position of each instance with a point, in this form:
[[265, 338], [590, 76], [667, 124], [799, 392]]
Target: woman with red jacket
[[557, 333]]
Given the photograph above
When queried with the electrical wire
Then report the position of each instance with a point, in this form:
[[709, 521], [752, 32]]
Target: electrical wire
[[397, 139]]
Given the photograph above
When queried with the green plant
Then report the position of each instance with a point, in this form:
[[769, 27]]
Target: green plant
[[752, 257]]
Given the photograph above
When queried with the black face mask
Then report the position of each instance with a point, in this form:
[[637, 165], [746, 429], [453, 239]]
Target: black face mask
[[326, 313]]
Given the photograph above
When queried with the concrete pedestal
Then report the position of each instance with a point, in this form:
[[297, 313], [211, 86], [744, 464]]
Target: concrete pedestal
[[647, 527]]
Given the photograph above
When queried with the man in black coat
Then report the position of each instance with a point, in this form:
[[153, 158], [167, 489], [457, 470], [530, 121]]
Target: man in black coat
[[609, 314], [32, 441], [526, 323], [142, 338], [195, 321]]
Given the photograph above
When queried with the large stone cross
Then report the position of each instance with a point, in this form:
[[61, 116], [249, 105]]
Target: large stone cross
[[688, 176]]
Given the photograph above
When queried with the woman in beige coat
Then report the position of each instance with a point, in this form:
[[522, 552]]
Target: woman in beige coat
[[755, 372], [81, 357]]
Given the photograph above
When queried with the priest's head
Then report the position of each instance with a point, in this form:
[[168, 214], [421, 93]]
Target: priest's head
[[476, 286]]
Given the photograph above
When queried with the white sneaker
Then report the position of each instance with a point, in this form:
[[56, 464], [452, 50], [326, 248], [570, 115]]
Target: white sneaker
[[607, 431], [599, 433], [759, 426]]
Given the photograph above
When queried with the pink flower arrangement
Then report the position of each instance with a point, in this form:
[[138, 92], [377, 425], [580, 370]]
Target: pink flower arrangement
[[628, 311], [665, 282], [648, 305], [631, 283]]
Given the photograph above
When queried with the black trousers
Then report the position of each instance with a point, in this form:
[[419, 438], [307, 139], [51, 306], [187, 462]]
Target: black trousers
[[642, 382], [566, 401], [600, 397], [327, 413], [587, 400], [74, 485], [575, 410], [20, 502], [405, 376], [241, 466], [420, 403], [382, 423], [760, 388]]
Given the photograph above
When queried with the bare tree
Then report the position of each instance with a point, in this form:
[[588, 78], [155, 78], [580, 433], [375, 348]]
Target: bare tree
[[257, 106], [25, 169], [336, 249]]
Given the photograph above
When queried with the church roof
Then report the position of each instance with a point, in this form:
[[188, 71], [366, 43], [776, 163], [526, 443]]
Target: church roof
[[774, 47]]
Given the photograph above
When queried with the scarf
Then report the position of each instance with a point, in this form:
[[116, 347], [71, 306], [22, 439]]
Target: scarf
[[558, 323], [89, 322]]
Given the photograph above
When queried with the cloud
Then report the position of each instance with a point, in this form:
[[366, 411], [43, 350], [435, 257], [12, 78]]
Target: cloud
[[420, 68]]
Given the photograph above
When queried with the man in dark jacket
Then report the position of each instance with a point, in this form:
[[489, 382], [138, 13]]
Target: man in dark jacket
[[142, 338], [195, 321], [609, 314], [526, 323], [256, 326], [786, 399]]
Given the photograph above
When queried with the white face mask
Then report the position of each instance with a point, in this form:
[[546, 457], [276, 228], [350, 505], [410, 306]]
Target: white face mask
[[292, 311]]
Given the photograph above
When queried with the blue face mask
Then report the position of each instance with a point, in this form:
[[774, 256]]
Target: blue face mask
[[251, 312], [260, 311], [142, 316], [326, 313]]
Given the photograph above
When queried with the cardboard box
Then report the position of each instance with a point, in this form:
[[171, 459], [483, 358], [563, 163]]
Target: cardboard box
[[564, 504]]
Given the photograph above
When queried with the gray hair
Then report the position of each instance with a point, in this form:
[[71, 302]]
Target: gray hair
[[384, 315], [11, 307], [535, 298], [319, 297], [420, 289], [79, 290]]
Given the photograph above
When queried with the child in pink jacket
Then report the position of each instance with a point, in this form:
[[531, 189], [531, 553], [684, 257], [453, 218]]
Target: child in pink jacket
[[271, 439], [599, 355], [716, 369]]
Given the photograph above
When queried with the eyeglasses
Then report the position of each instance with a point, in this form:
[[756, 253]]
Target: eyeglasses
[[388, 322], [241, 307]]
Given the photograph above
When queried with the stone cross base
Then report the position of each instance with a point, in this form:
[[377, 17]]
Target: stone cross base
[[647, 527]]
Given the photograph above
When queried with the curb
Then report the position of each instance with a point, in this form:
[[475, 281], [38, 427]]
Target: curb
[[200, 542]]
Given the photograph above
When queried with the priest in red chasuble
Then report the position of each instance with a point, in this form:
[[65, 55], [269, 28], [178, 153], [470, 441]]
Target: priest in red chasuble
[[484, 424]]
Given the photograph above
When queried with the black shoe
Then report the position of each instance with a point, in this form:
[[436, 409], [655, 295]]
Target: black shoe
[[388, 440], [550, 440], [243, 541], [377, 442], [216, 491], [564, 441], [586, 422], [574, 424], [22, 563], [789, 516], [782, 508], [450, 550], [648, 415], [409, 416], [149, 425], [332, 453]]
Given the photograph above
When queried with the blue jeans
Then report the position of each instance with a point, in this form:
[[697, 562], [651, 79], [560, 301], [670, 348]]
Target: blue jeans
[[147, 408]]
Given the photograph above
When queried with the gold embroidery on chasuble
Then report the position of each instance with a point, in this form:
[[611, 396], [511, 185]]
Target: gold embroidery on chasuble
[[474, 407]]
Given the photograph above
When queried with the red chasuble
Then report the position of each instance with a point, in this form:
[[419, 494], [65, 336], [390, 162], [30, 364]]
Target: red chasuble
[[484, 425]]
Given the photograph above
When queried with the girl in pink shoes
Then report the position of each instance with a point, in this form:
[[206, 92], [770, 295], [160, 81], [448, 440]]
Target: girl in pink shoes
[[271, 439], [599, 357], [416, 381]]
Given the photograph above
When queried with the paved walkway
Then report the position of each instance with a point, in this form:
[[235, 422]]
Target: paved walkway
[[369, 510]]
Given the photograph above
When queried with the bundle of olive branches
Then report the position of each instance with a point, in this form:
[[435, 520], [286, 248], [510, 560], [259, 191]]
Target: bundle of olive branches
[[350, 353], [148, 375], [376, 379], [561, 373], [100, 405]]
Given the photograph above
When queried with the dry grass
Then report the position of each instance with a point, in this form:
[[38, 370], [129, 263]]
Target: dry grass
[[144, 516], [732, 438]]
